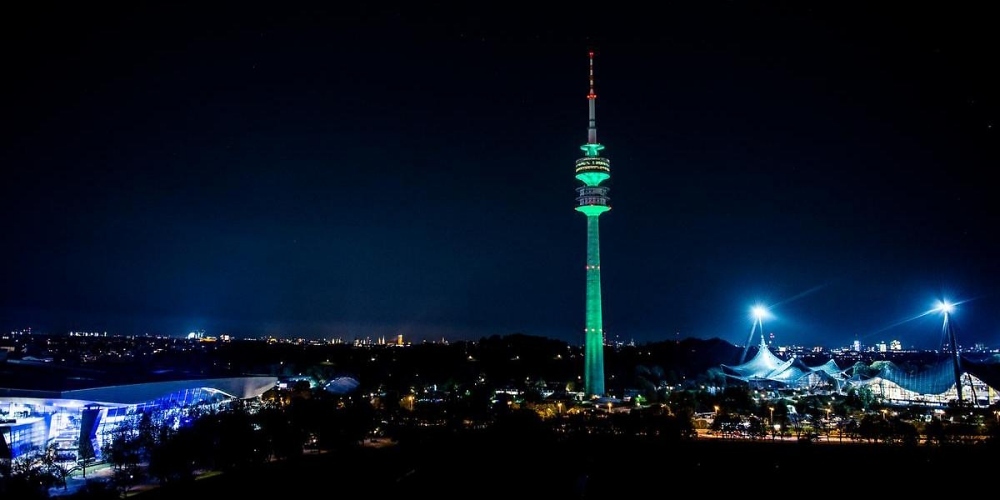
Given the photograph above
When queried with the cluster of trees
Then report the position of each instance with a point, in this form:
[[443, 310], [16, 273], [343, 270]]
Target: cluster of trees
[[858, 416], [31, 475]]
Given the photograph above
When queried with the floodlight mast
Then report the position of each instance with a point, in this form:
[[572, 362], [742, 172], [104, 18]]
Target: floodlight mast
[[758, 313], [946, 329]]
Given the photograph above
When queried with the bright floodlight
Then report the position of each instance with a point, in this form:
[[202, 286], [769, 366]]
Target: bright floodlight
[[945, 307], [759, 312]]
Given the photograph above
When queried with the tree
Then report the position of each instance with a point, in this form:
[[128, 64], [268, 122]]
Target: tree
[[31, 475], [122, 446], [96, 490], [237, 443], [281, 436], [737, 399], [172, 459], [861, 398], [85, 454], [51, 464], [935, 431]]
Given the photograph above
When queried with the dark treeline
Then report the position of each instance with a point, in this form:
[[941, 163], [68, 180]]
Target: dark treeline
[[519, 457], [507, 360], [300, 441]]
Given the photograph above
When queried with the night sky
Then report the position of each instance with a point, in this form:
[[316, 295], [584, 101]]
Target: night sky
[[321, 171]]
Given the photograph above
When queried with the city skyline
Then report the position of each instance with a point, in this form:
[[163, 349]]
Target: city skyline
[[381, 171], [784, 349]]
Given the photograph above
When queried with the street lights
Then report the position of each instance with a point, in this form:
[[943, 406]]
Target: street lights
[[770, 422]]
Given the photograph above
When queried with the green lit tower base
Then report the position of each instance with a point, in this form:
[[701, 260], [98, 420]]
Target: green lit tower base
[[592, 201]]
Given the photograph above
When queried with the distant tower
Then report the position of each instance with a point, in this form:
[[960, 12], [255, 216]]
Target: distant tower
[[592, 201]]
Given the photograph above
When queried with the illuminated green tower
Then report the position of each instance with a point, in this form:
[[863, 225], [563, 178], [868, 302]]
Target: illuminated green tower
[[592, 201]]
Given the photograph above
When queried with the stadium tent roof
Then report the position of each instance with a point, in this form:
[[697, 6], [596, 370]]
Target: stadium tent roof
[[932, 378], [761, 365], [790, 371], [936, 378], [830, 368], [766, 367]]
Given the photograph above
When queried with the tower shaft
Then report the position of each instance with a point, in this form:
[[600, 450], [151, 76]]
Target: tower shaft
[[594, 340]]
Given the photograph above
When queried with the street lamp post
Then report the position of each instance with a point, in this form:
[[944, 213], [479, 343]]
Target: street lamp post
[[826, 425], [770, 422]]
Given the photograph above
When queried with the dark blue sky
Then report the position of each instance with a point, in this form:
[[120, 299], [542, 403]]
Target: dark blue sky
[[306, 171]]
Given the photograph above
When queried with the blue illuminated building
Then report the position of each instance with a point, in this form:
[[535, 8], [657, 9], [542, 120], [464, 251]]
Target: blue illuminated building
[[77, 421]]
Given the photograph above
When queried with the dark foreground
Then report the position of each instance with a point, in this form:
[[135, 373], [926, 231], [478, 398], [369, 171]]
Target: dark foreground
[[597, 467]]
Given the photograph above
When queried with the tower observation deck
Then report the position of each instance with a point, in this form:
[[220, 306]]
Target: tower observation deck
[[592, 200]]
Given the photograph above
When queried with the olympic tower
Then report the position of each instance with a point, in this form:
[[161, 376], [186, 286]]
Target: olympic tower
[[592, 201]]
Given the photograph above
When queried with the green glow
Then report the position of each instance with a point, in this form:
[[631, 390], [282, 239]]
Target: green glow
[[592, 149], [593, 210], [594, 339], [592, 178], [593, 170]]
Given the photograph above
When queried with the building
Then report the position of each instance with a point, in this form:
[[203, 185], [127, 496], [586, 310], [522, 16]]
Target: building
[[74, 410], [766, 370], [924, 380]]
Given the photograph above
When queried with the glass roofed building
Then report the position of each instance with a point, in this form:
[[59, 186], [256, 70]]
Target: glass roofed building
[[935, 383], [72, 411]]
